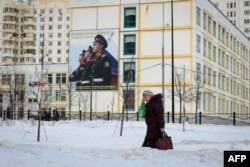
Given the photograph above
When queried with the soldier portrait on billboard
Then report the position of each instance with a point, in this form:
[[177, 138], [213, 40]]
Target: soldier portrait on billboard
[[101, 66], [77, 73], [98, 67]]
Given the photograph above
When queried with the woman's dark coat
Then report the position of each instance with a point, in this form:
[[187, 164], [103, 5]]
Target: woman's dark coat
[[154, 117]]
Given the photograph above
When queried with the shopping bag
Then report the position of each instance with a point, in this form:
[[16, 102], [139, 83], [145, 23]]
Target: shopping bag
[[142, 110], [164, 143]]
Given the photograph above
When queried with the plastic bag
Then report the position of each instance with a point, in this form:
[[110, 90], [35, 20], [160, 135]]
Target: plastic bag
[[142, 110]]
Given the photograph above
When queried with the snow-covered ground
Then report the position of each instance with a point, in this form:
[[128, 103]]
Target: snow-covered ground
[[98, 143]]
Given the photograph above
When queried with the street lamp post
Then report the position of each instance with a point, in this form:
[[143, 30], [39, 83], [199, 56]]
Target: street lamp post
[[163, 62], [172, 41], [163, 58], [41, 77], [163, 65]]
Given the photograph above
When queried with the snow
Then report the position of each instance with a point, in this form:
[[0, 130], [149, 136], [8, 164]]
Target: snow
[[98, 143]]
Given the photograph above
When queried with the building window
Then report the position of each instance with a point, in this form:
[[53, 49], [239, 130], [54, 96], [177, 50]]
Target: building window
[[227, 61], [205, 76], [41, 36], [246, 21], [50, 27], [60, 95], [20, 78], [49, 78], [214, 78], [227, 39], [204, 48], [49, 51], [204, 20], [61, 78], [50, 10], [6, 79], [59, 35], [129, 17], [231, 5], [129, 44], [59, 51], [50, 35], [198, 43], [198, 71], [130, 94], [209, 24], [214, 28], [205, 101], [59, 43], [59, 27], [60, 18], [50, 19], [247, 3], [209, 49], [59, 59], [246, 30], [209, 72], [198, 16], [246, 12], [30, 100], [42, 27], [219, 57], [129, 72], [42, 11]]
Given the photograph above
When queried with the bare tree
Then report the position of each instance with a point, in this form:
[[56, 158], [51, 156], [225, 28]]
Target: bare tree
[[15, 88], [126, 91], [70, 98], [184, 93], [42, 92], [178, 90], [112, 103], [197, 91], [21, 94], [83, 98], [9, 88]]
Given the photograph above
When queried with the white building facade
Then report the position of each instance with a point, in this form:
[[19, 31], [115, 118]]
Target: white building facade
[[206, 45]]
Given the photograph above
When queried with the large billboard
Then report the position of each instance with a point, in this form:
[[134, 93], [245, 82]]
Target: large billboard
[[93, 59]]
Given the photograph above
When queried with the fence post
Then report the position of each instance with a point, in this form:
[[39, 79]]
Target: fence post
[[168, 117], [4, 114], [28, 114], [200, 118], [234, 115], [137, 116], [108, 115], [80, 115], [127, 115]]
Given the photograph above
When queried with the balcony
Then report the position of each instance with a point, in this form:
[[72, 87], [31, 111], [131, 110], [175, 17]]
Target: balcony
[[29, 22]]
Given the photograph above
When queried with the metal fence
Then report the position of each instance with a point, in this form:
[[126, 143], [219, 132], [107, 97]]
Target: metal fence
[[200, 118]]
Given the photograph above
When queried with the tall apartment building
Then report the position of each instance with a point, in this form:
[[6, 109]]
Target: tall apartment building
[[208, 49], [34, 47], [238, 11]]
